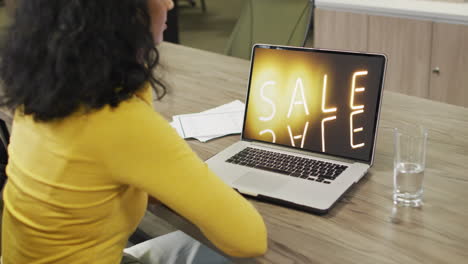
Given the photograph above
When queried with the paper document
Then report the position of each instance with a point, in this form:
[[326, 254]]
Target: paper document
[[216, 122]]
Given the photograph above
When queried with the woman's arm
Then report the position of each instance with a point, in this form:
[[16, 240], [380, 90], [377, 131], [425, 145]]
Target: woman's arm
[[141, 149]]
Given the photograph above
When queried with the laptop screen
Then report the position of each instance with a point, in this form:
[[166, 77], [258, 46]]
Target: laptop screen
[[316, 100]]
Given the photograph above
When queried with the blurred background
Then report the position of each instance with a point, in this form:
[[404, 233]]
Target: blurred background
[[207, 30]]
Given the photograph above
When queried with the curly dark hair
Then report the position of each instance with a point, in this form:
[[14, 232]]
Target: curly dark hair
[[60, 55]]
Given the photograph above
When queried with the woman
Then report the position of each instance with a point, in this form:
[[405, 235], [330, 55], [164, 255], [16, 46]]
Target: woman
[[87, 148]]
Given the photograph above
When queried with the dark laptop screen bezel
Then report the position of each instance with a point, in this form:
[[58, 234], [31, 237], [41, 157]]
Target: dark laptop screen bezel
[[378, 106]]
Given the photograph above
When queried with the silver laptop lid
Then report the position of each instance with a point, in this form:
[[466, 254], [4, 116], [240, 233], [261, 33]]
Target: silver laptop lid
[[321, 101]]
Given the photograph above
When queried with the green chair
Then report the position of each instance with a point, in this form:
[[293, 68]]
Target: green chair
[[281, 22]]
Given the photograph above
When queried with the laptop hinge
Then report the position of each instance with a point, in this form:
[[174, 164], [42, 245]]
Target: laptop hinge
[[287, 149]]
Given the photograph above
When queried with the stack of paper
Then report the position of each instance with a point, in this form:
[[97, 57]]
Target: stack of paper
[[216, 122]]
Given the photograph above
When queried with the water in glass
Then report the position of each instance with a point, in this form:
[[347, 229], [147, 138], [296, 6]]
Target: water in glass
[[408, 185]]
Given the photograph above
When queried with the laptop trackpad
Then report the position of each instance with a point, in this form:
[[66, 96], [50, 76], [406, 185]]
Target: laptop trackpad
[[259, 183]]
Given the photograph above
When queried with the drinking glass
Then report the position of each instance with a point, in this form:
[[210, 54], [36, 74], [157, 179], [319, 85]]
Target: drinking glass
[[409, 164]]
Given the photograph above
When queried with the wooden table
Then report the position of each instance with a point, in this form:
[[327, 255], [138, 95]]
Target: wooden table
[[364, 227]]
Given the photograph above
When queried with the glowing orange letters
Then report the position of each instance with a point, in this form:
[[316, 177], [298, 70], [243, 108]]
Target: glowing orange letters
[[303, 136], [273, 109], [299, 86], [326, 110], [298, 98], [359, 109], [303, 101], [268, 100]]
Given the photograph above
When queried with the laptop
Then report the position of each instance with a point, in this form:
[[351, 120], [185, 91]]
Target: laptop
[[309, 128]]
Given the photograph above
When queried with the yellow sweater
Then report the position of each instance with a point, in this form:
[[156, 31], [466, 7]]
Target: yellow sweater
[[78, 187]]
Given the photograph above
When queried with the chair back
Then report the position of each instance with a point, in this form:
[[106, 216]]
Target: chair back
[[4, 140], [279, 22]]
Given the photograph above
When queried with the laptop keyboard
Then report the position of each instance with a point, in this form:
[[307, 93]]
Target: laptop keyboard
[[310, 169]]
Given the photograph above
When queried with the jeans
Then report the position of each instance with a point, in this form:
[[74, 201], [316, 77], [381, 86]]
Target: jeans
[[173, 248]]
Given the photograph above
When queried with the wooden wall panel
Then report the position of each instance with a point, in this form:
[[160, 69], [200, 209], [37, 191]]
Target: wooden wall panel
[[340, 30], [449, 78], [407, 43]]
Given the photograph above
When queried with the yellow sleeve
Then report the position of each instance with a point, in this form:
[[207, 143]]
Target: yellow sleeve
[[140, 148]]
